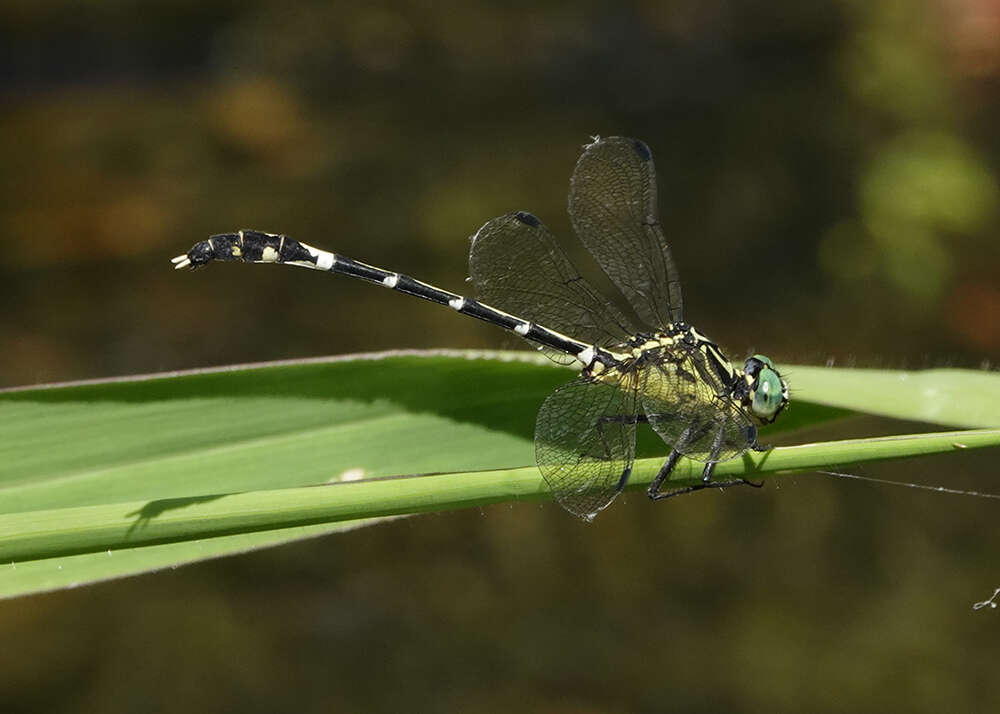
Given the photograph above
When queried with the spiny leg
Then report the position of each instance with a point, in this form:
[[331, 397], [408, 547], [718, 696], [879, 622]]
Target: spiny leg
[[654, 488], [706, 474]]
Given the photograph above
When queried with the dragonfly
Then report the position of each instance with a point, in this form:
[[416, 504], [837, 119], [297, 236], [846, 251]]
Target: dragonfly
[[663, 372]]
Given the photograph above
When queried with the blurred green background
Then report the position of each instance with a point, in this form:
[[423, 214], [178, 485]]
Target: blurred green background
[[828, 179]]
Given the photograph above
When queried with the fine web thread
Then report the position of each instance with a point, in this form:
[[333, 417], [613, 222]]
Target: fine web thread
[[925, 487], [990, 602]]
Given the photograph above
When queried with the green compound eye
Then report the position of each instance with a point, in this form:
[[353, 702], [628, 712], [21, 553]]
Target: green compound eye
[[768, 394]]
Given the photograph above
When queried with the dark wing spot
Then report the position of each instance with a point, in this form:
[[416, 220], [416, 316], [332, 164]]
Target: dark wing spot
[[640, 148], [528, 218]]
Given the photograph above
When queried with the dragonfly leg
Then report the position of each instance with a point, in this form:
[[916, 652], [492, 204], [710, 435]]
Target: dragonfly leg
[[707, 482], [706, 474], [654, 488]]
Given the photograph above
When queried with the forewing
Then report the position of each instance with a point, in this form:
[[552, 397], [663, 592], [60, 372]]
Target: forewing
[[517, 266], [688, 405], [612, 203], [585, 443]]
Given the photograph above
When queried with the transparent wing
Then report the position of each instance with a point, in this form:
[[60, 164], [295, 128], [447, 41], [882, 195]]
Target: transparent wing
[[585, 443], [517, 266], [688, 405], [612, 203]]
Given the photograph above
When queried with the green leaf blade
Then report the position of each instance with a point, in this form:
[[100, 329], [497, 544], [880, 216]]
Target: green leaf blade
[[956, 397], [173, 469]]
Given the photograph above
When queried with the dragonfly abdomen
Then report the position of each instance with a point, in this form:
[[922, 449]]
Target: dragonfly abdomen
[[247, 246]]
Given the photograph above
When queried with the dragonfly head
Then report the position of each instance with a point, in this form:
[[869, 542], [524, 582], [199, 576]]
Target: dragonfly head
[[768, 393]]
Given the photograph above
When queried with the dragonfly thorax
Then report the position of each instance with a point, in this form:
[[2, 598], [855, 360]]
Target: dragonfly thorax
[[680, 353]]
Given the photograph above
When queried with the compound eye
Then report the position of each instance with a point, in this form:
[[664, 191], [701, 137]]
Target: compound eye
[[755, 364], [765, 360], [767, 395]]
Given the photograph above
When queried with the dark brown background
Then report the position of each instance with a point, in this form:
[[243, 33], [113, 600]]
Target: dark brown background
[[828, 180]]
